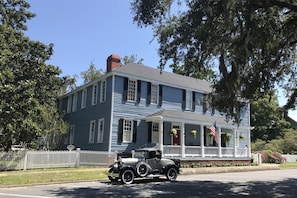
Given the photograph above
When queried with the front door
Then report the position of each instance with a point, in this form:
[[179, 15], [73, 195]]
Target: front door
[[176, 138]]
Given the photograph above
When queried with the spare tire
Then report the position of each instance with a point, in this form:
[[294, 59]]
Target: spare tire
[[142, 169]]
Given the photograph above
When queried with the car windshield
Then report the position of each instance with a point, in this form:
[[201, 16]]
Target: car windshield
[[140, 154]]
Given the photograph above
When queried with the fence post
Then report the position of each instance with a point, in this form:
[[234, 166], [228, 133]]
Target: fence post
[[25, 160], [77, 157]]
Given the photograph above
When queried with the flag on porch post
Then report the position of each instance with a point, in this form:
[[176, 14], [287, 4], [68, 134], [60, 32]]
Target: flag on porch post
[[213, 129]]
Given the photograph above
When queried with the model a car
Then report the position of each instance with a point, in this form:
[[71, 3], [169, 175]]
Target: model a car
[[143, 163]]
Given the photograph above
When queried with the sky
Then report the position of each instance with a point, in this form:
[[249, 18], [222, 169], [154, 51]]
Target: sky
[[88, 31]]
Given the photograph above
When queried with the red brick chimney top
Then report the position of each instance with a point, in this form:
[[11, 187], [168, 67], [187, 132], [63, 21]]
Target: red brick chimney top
[[113, 62]]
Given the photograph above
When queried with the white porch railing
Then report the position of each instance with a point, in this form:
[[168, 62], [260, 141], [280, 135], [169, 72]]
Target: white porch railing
[[196, 151]]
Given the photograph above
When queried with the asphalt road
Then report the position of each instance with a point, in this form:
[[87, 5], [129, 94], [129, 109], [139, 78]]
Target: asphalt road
[[271, 183]]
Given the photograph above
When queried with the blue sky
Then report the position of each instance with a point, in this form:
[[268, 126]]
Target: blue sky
[[88, 31]]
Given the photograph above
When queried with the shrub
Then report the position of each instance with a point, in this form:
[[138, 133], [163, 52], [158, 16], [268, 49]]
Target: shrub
[[269, 156]]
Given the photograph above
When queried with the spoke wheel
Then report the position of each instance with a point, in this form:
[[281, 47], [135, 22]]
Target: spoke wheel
[[171, 174], [127, 176], [142, 170]]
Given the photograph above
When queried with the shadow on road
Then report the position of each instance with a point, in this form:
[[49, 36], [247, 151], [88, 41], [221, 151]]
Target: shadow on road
[[161, 188]]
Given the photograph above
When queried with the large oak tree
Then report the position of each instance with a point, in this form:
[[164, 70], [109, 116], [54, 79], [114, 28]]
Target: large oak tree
[[248, 47], [28, 86]]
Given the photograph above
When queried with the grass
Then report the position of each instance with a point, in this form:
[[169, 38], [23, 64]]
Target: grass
[[288, 165], [40, 176]]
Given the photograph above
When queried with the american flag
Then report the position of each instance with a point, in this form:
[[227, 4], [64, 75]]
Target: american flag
[[213, 129]]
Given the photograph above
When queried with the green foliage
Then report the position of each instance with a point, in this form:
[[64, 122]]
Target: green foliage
[[91, 74], [28, 87], [267, 118], [131, 59], [249, 45]]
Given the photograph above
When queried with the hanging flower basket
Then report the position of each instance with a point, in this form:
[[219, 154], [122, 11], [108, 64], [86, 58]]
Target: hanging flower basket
[[173, 132], [194, 132], [228, 137], [241, 136], [211, 134]]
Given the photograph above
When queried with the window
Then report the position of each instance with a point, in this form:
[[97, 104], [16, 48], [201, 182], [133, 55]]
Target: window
[[127, 130], [71, 134], [92, 131], [155, 132], [74, 102], [154, 94], [94, 98], [69, 104], [103, 91], [188, 100], [100, 130], [131, 95], [84, 98]]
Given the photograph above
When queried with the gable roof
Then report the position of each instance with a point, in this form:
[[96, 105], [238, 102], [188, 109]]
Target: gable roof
[[154, 75]]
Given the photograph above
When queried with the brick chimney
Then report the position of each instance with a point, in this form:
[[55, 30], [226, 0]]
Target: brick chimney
[[113, 62]]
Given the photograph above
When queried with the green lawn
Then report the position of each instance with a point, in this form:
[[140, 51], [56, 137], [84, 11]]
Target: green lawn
[[15, 178], [288, 165]]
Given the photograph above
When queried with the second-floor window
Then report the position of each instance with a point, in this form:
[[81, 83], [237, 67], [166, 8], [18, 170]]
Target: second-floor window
[[154, 94], [84, 98], [74, 102], [95, 94], [103, 91], [131, 95], [69, 104], [188, 100], [92, 131]]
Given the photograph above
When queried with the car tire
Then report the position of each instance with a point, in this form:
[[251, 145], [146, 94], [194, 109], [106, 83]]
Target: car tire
[[171, 174], [142, 169], [127, 177]]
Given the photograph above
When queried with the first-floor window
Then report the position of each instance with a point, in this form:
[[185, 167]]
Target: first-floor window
[[71, 134], [155, 132], [127, 130], [100, 130], [92, 131]]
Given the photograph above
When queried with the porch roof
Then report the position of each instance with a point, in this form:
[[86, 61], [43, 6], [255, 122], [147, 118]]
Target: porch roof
[[188, 117]]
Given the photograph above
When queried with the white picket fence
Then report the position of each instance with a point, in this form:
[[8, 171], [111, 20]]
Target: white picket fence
[[23, 160]]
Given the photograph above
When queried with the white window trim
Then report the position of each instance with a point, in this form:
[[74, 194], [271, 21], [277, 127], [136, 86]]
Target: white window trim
[[189, 99], [92, 131], [71, 134], [84, 98], [127, 131], [103, 91], [155, 133], [156, 94], [74, 102], [69, 104], [135, 91], [94, 94], [100, 132]]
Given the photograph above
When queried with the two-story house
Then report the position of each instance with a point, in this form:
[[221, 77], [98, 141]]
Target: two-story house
[[133, 105]]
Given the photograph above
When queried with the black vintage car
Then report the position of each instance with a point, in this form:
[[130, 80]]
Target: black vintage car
[[143, 163]]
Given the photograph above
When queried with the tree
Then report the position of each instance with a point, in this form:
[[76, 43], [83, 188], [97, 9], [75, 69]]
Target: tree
[[91, 74], [267, 118], [28, 87], [250, 45], [131, 59]]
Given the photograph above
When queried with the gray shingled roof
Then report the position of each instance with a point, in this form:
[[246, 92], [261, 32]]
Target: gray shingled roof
[[140, 72]]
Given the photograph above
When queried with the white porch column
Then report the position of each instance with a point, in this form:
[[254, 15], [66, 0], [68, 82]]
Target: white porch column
[[235, 142], [202, 140], [161, 136], [249, 144], [219, 143], [182, 139]]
